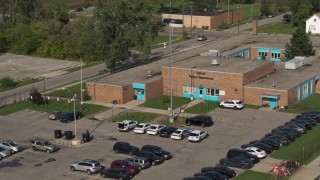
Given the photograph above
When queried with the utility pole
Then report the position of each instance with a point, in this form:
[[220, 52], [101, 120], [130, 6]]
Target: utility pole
[[191, 7], [81, 88], [228, 13]]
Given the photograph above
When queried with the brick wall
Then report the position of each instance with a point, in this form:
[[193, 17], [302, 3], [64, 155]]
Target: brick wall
[[252, 95], [154, 89], [107, 93], [259, 72], [317, 86], [254, 53], [255, 27], [231, 83]]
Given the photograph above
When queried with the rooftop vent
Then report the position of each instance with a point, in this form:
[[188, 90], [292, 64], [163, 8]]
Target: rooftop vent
[[215, 62]]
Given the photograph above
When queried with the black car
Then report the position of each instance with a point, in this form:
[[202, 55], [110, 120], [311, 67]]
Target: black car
[[200, 120], [153, 158], [308, 119], [302, 129], [242, 153], [293, 131], [124, 147], [221, 169], [69, 116], [238, 162], [116, 173], [54, 115], [304, 123], [167, 131], [212, 175], [264, 147], [283, 140], [274, 145], [157, 150], [313, 115], [197, 178], [288, 135]]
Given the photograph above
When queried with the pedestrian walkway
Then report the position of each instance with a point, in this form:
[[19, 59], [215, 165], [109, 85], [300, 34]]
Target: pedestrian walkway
[[309, 171], [265, 164]]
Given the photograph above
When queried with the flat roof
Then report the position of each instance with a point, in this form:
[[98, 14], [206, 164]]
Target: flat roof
[[284, 79], [256, 45], [229, 65]]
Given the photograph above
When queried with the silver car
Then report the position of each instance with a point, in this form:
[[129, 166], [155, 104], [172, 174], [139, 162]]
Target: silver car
[[87, 165], [4, 152], [12, 146]]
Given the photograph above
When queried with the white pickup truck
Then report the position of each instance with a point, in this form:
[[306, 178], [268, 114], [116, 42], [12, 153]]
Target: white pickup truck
[[127, 125]]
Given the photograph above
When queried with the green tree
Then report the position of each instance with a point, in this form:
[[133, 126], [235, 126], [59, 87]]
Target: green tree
[[122, 25], [302, 14], [300, 44], [265, 7]]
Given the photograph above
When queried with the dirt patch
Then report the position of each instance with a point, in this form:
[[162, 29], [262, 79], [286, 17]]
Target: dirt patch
[[22, 67], [159, 119]]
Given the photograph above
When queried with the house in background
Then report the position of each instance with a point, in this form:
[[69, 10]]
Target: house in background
[[313, 24]]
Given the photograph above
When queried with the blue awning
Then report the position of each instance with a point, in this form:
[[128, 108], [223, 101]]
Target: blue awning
[[269, 96]]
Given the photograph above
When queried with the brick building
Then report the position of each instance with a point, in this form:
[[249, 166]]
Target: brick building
[[210, 20]]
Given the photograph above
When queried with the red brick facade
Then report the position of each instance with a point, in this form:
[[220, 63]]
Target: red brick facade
[[254, 53], [258, 72], [154, 89], [252, 95]]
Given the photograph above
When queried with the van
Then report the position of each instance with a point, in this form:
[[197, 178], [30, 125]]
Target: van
[[141, 161], [242, 153]]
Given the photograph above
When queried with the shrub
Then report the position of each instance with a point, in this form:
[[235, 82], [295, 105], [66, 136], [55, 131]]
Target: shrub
[[6, 82], [223, 26]]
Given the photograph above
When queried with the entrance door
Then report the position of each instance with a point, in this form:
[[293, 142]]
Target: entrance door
[[298, 93], [273, 103], [140, 95], [200, 92]]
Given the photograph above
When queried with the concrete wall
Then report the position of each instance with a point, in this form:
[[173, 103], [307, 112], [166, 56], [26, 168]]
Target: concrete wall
[[154, 89], [231, 83]]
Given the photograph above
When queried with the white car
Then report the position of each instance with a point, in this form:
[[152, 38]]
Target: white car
[[141, 128], [4, 152], [12, 146], [197, 135], [256, 151], [233, 104], [180, 134], [127, 125], [202, 38], [155, 129]]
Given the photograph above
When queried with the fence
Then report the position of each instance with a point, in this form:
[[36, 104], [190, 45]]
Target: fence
[[14, 98]]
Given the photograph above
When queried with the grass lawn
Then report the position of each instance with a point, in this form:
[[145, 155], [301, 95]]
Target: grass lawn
[[141, 117], [64, 106], [277, 28], [75, 89], [163, 102], [59, 1], [248, 174], [251, 106], [311, 103], [202, 108], [90, 64], [307, 144]]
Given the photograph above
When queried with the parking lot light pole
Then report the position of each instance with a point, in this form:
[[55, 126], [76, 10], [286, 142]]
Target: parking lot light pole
[[74, 110]]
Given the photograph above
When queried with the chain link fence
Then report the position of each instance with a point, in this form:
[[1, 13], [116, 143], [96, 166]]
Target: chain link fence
[[14, 98]]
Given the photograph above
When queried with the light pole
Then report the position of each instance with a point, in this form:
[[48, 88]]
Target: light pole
[[58, 103], [74, 110], [170, 46], [191, 7], [81, 88], [228, 13]]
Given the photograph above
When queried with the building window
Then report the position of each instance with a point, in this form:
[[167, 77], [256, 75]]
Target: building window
[[189, 90], [275, 55], [212, 92], [260, 54], [314, 20], [312, 27], [305, 90]]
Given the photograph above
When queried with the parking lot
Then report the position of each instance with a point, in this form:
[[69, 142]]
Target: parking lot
[[231, 130]]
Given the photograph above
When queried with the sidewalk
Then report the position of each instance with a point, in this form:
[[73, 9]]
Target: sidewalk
[[310, 171]]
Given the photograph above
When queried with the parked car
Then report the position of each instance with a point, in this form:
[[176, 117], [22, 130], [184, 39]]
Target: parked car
[[124, 147], [78, 9], [200, 120], [141, 161], [154, 129], [307, 125], [302, 129], [212, 175], [43, 145], [180, 134], [69, 116], [4, 152], [167, 131], [232, 104], [288, 135], [127, 165], [275, 145], [11, 145], [157, 151], [202, 38], [141, 128], [256, 151], [295, 132], [86, 165], [54, 115], [263, 146], [221, 169], [286, 18], [312, 115], [239, 162], [127, 125], [116, 173], [242, 153], [197, 135], [153, 158], [306, 119], [283, 140], [270, 14], [197, 178]]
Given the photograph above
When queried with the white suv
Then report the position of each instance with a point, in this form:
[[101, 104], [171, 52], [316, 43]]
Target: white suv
[[233, 104], [127, 125], [141, 128], [155, 129]]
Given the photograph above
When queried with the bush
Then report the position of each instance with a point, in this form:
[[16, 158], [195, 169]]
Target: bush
[[205, 27], [35, 97], [165, 99], [86, 96], [223, 26], [6, 82], [184, 34]]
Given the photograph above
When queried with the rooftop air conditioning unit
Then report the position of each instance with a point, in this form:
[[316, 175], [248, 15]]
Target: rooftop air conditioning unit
[[295, 63], [215, 62]]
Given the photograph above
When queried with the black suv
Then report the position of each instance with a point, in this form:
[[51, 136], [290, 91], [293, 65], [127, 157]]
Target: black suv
[[126, 148], [200, 120], [242, 153], [157, 150], [167, 131], [69, 116], [153, 158]]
